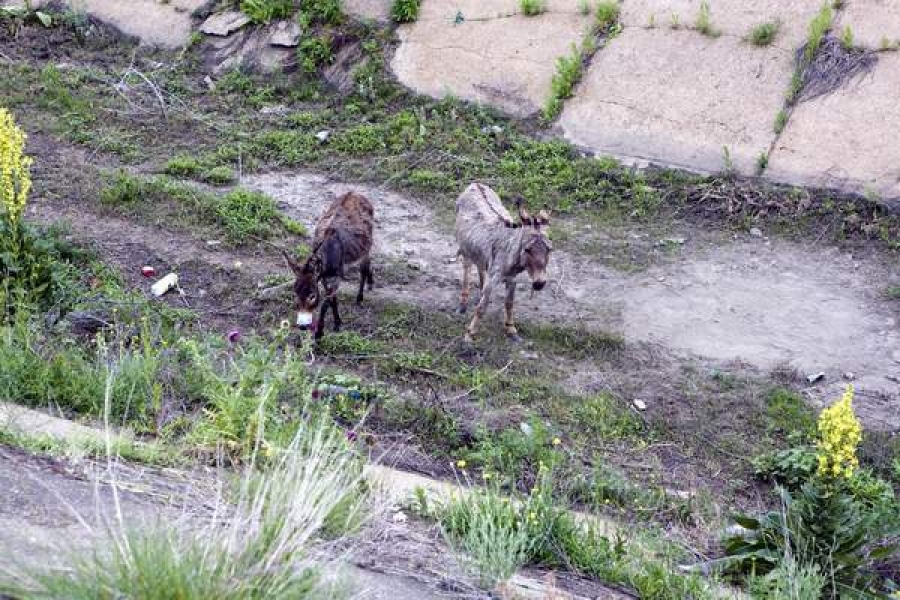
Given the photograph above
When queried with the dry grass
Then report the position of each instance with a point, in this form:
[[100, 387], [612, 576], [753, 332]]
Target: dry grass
[[832, 66]]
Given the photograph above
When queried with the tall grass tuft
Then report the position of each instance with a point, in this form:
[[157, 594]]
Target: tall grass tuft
[[255, 544]]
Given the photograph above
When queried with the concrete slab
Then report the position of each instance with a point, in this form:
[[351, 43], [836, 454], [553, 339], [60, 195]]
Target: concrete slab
[[846, 140], [679, 98], [731, 17], [505, 61], [874, 22]]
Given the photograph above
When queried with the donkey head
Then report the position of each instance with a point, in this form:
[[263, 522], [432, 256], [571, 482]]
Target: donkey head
[[534, 252], [306, 289]]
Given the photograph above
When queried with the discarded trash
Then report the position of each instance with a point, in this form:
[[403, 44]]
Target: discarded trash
[[526, 428], [148, 271], [399, 517], [756, 232], [816, 377], [234, 336], [849, 376], [323, 135], [639, 404], [169, 282]]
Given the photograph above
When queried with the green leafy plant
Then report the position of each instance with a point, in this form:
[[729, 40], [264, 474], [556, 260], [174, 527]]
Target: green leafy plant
[[405, 11], [818, 27], [562, 85], [313, 53], [847, 37]]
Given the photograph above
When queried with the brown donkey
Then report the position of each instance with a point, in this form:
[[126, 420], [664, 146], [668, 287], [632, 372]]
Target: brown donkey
[[342, 238], [500, 249]]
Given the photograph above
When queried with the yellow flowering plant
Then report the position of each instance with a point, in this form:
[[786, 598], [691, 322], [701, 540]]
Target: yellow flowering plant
[[839, 436], [15, 175]]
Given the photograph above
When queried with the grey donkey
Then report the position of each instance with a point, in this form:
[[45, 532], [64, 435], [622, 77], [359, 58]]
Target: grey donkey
[[500, 248]]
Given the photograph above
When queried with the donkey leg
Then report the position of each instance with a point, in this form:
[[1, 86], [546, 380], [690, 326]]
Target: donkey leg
[[369, 279], [509, 323], [320, 326], [365, 273], [464, 295], [481, 307], [334, 313]]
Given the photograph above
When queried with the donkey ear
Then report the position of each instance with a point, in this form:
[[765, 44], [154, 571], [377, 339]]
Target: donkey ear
[[524, 217], [294, 265], [543, 217]]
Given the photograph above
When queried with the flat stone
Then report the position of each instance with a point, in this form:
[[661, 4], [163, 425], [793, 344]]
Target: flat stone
[[285, 34], [679, 98], [873, 22], [224, 23], [848, 139], [153, 23], [729, 17], [506, 61]]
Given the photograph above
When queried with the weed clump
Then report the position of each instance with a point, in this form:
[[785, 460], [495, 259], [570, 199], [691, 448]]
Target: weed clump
[[405, 11], [265, 11], [764, 33], [703, 24], [531, 8]]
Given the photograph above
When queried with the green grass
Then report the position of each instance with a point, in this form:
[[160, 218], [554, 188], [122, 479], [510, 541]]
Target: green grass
[[847, 37], [531, 8], [405, 11], [241, 216], [818, 27], [497, 534], [764, 34], [562, 85], [259, 546], [607, 14], [703, 23], [781, 120], [264, 11]]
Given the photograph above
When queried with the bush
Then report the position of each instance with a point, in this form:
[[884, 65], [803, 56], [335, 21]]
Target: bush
[[607, 14], [313, 53], [516, 457], [405, 11], [246, 213]]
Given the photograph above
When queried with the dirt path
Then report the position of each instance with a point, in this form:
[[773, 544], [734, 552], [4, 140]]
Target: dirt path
[[767, 302]]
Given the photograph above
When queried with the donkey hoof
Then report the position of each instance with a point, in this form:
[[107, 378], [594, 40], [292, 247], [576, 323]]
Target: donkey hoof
[[359, 299], [461, 309]]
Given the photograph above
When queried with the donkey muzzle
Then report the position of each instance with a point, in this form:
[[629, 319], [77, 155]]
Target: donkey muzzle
[[538, 285]]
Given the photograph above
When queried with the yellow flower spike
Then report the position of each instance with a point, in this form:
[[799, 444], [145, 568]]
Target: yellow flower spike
[[15, 176], [840, 434], [557, 441], [461, 464]]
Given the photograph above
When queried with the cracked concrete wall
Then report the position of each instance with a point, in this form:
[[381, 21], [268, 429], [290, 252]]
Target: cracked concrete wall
[[663, 92]]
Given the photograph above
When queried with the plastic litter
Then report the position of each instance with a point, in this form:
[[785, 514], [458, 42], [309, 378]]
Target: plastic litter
[[167, 283]]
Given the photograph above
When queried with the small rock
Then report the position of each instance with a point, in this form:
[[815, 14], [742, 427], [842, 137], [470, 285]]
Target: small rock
[[278, 109], [224, 23], [408, 251], [893, 378], [674, 241], [494, 129], [399, 517], [815, 377], [210, 84], [323, 136], [849, 376], [526, 428], [213, 242], [639, 404], [285, 34], [756, 232], [529, 355]]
